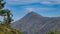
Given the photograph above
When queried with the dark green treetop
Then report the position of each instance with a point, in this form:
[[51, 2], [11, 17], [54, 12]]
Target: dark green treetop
[[5, 13]]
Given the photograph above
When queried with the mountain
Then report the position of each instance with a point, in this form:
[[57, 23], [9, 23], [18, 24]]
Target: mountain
[[34, 23], [5, 29]]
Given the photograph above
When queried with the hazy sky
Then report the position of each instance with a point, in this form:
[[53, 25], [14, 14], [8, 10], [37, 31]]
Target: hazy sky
[[20, 8]]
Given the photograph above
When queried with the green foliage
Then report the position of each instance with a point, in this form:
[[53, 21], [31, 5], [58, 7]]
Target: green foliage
[[5, 13], [7, 16], [4, 29], [4, 25], [53, 31], [2, 4]]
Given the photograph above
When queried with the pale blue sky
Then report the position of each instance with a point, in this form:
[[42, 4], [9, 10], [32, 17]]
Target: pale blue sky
[[19, 8]]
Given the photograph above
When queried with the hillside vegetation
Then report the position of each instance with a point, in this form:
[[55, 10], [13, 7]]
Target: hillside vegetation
[[4, 29]]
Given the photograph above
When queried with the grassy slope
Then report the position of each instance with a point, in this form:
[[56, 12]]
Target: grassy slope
[[4, 29]]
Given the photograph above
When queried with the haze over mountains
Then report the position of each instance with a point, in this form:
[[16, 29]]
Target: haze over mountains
[[34, 23]]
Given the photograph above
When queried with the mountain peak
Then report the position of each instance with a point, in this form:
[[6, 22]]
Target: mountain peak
[[34, 14], [34, 23]]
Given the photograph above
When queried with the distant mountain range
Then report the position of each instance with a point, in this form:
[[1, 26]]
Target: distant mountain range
[[34, 23]]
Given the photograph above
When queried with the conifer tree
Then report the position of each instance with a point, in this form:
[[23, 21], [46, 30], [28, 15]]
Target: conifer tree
[[5, 13]]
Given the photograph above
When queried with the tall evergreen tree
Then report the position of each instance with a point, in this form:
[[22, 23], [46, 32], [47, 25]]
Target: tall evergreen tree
[[5, 13]]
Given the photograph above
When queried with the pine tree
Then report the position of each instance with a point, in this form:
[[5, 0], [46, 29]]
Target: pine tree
[[5, 13]]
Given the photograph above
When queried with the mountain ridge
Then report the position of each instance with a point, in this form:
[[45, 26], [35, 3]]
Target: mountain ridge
[[34, 23]]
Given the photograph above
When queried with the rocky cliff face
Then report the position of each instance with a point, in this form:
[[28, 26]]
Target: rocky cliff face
[[34, 23]]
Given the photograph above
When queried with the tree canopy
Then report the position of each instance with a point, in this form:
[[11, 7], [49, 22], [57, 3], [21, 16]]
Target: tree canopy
[[6, 13]]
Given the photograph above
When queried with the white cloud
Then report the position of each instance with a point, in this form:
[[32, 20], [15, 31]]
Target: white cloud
[[20, 1], [33, 1], [55, 1], [11, 0], [46, 2], [30, 9], [39, 9]]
